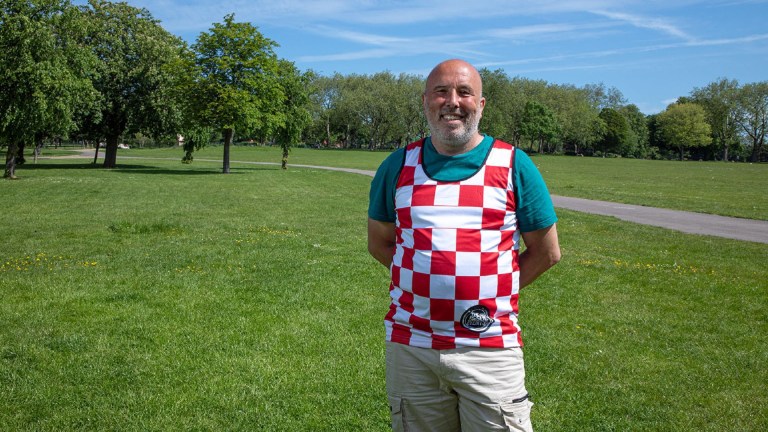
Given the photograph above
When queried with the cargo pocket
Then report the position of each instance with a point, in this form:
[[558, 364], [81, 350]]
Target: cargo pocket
[[517, 415], [396, 414]]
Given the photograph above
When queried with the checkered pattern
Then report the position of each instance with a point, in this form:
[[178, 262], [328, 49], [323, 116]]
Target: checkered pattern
[[457, 247]]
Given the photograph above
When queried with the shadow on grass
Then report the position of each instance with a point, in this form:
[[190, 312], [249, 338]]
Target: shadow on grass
[[143, 169]]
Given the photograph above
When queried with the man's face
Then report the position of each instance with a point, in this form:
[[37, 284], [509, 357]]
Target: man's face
[[453, 104]]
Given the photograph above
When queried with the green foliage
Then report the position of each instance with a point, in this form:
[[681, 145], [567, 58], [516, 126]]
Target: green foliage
[[236, 81], [538, 124], [684, 125], [44, 72], [752, 116], [295, 107], [616, 131], [135, 74], [718, 99], [350, 111]]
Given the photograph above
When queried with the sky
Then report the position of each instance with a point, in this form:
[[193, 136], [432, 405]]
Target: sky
[[653, 51]]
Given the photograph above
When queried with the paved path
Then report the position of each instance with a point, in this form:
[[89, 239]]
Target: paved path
[[688, 222]]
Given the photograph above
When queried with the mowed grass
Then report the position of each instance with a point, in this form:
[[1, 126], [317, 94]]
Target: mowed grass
[[728, 189], [160, 296]]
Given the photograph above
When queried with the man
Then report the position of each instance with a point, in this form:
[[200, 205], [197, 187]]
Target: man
[[446, 216]]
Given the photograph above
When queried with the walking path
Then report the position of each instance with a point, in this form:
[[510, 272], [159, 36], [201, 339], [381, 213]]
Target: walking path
[[688, 222]]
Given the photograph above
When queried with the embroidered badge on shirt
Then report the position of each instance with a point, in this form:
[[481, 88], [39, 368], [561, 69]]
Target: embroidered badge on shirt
[[476, 319]]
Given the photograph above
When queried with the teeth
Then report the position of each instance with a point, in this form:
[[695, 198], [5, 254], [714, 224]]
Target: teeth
[[451, 117]]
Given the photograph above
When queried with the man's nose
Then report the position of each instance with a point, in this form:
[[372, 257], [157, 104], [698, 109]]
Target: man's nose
[[452, 99]]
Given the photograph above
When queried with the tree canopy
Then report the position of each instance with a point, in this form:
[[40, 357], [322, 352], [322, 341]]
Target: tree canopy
[[684, 125], [105, 71], [45, 73], [134, 76], [235, 84]]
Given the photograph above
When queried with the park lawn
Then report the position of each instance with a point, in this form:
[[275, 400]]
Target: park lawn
[[165, 296], [728, 189]]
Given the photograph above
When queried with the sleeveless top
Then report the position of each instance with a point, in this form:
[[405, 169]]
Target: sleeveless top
[[454, 274]]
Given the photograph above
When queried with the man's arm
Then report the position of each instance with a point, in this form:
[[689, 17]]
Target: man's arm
[[381, 241], [542, 251]]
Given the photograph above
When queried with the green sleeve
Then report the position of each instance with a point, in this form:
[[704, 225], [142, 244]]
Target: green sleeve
[[534, 206], [381, 203]]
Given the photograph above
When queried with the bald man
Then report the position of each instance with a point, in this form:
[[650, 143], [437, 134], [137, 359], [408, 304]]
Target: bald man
[[446, 217]]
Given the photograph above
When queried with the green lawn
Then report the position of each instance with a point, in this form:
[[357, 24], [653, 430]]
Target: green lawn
[[728, 189], [162, 296]]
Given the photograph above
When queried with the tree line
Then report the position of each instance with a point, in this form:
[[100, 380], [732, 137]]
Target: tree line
[[721, 121], [105, 71]]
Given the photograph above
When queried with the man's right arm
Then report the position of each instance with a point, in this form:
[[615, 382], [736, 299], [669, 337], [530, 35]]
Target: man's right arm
[[381, 241]]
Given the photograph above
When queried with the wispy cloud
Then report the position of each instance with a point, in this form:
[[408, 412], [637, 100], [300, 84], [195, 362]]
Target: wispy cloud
[[625, 51], [656, 24], [390, 46]]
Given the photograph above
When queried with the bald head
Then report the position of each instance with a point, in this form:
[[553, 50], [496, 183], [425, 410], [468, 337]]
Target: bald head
[[455, 67], [453, 105]]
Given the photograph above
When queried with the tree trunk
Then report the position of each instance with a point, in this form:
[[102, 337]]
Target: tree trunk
[[20, 160], [228, 134], [110, 152], [757, 146], [10, 161], [284, 164], [38, 147], [328, 132], [96, 153]]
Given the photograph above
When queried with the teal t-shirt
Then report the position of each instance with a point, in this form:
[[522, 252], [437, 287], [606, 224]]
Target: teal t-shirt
[[534, 206]]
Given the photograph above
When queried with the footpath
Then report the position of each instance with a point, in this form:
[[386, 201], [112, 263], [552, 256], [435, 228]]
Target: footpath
[[687, 222]]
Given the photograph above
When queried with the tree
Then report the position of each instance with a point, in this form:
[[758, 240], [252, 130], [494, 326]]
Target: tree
[[636, 143], [410, 122], [236, 81], [719, 100], [324, 96], [538, 123], [616, 131], [503, 108], [753, 115], [294, 107], [684, 126], [44, 74], [601, 97], [135, 74]]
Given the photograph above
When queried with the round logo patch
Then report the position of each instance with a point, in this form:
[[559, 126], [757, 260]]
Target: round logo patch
[[476, 319]]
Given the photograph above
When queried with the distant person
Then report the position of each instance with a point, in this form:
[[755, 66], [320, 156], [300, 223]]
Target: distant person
[[446, 216]]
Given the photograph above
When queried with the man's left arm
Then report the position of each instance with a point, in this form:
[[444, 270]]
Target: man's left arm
[[542, 251]]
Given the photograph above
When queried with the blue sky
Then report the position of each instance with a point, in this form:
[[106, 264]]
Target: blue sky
[[651, 50]]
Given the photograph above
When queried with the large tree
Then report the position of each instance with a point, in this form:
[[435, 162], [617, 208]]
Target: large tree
[[615, 131], [719, 99], [753, 115], [684, 125], [636, 143], [294, 107], [236, 81], [135, 76], [538, 124], [44, 73]]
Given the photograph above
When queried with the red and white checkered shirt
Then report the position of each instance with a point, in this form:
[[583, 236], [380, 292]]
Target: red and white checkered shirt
[[455, 268]]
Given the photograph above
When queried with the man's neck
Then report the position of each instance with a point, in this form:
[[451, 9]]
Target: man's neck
[[453, 150]]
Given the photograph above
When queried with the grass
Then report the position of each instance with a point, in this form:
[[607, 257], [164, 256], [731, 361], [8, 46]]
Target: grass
[[162, 296], [728, 189]]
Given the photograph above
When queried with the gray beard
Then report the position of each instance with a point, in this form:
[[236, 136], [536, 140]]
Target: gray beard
[[455, 139]]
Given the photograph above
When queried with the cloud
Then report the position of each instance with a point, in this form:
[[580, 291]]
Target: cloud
[[390, 46], [657, 24]]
